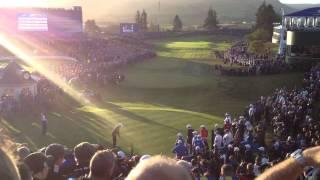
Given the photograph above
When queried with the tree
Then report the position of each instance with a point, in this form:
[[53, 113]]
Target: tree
[[177, 24], [144, 21], [259, 35], [211, 21], [265, 17], [256, 47], [263, 30], [91, 27], [138, 19]]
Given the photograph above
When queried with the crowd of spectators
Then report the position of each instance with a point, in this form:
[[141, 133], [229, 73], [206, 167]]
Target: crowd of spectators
[[96, 60], [250, 63], [287, 115], [238, 149]]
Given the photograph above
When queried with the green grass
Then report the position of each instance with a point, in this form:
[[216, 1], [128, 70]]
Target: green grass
[[158, 98], [198, 48]]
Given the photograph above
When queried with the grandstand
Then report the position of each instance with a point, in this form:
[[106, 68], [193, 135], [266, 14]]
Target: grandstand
[[299, 36]]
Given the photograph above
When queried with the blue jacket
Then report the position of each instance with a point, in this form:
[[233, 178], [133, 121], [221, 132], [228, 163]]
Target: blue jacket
[[180, 150]]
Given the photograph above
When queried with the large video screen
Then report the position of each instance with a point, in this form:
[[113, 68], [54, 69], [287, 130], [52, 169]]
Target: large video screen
[[32, 22], [41, 21], [129, 27]]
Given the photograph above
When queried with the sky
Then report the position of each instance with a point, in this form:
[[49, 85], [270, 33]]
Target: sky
[[300, 1], [111, 9], [97, 2]]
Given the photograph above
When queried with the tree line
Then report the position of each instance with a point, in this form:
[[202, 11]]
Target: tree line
[[210, 23]]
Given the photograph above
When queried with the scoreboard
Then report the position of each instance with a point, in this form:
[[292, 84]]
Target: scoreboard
[[129, 28], [56, 22], [32, 22]]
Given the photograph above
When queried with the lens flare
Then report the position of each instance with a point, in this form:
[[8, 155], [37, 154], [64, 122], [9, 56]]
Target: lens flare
[[20, 49]]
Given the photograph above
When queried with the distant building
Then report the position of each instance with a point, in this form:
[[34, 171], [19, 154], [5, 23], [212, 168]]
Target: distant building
[[299, 36]]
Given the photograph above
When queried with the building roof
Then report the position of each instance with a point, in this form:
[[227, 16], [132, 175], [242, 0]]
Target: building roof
[[315, 11]]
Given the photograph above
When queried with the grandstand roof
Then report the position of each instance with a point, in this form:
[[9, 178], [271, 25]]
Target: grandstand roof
[[315, 11]]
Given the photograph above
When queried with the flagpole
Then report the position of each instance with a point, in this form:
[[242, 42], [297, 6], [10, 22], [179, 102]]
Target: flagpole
[[158, 16]]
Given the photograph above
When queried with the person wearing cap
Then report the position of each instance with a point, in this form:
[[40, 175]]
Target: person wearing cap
[[144, 157], [122, 168], [180, 150], [37, 164], [55, 152], [227, 121], [189, 136], [248, 153], [116, 133], [218, 141], [180, 138], [237, 155], [251, 112], [198, 142]]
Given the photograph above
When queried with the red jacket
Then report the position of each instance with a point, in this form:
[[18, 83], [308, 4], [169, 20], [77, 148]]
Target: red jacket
[[204, 133]]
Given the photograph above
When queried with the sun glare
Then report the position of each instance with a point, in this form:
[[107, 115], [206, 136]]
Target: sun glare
[[19, 50]]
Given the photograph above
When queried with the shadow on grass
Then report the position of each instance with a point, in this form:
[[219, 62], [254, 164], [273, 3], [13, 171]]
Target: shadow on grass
[[133, 116]]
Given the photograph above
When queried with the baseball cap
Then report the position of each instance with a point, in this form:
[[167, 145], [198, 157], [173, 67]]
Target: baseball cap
[[145, 157], [121, 155]]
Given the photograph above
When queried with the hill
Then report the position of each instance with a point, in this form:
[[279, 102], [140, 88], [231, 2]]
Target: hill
[[191, 12]]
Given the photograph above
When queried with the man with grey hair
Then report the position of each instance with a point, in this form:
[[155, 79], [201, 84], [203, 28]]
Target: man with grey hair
[[159, 168]]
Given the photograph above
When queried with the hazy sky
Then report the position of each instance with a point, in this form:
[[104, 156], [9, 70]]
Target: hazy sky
[[300, 1], [115, 9]]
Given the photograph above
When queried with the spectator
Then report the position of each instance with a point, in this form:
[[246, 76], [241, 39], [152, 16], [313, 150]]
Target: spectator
[[56, 153], [159, 168], [227, 172], [83, 153], [102, 165], [190, 131], [180, 150], [37, 164], [8, 169]]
